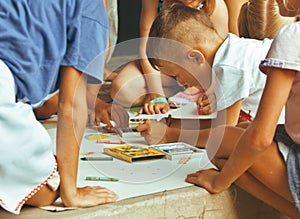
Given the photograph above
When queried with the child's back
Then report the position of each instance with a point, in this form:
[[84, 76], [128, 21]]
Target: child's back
[[236, 67]]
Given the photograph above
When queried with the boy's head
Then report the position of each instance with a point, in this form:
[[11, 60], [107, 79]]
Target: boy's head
[[181, 41], [183, 24]]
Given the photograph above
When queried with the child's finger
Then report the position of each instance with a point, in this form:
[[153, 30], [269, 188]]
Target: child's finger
[[146, 108], [97, 121], [141, 111], [144, 129], [206, 109], [106, 120], [151, 108], [161, 107]]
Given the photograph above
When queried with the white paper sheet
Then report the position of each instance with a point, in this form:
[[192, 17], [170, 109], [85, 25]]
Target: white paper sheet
[[135, 179], [188, 111]]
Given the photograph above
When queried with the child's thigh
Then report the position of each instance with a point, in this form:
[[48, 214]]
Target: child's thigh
[[222, 141], [270, 169], [130, 72]]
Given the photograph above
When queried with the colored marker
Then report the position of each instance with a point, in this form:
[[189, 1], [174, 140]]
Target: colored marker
[[119, 131], [110, 142], [169, 120], [96, 158], [108, 179]]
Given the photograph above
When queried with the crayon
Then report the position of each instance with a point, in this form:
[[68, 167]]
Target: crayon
[[108, 179], [142, 120], [96, 158], [119, 131], [110, 142], [169, 120]]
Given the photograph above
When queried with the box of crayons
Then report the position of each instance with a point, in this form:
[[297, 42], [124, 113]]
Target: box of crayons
[[132, 153], [177, 150]]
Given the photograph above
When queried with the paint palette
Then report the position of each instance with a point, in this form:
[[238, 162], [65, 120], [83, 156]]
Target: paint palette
[[177, 150]]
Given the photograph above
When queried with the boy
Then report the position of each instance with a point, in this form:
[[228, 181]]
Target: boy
[[45, 46], [185, 45]]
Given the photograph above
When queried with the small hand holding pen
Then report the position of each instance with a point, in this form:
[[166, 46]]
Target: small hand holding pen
[[154, 132], [206, 103]]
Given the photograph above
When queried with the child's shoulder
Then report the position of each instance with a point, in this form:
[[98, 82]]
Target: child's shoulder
[[234, 48]]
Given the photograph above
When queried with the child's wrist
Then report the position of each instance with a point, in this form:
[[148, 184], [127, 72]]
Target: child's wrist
[[159, 100]]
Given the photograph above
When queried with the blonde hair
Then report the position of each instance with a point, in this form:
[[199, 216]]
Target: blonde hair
[[261, 19]]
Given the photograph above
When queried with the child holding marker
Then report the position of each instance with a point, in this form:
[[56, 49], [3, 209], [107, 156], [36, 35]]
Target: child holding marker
[[45, 46], [264, 159], [185, 46]]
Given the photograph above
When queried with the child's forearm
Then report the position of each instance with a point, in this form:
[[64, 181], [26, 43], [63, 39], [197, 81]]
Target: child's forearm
[[152, 78], [197, 138], [69, 136], [67, 155], [72, 117]]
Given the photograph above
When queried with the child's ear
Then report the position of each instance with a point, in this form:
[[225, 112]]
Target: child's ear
[[196, 56]]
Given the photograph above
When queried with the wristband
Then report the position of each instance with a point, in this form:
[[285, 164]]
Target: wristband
[[159, 99]]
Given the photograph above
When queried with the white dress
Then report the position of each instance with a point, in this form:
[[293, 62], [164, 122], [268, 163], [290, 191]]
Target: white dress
[[26, 162]]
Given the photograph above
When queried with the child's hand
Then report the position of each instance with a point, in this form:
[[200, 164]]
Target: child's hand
[[205, 179], [153, 132], [154, 108], [89, 196], [105, 112], [155, 105], [206, 103]]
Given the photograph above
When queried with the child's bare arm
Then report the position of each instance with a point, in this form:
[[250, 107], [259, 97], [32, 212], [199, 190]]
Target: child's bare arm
[[232, 113], [158, 132], [234, 8], [153, 80], [72, 118]]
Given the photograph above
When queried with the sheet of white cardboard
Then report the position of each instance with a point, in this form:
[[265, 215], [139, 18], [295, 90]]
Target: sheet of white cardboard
[[137, 178]]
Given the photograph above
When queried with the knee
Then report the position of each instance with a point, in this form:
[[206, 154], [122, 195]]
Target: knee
[[43, 197]]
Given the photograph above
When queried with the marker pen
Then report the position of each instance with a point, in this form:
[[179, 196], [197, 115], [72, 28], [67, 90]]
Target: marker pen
[[108, 179]]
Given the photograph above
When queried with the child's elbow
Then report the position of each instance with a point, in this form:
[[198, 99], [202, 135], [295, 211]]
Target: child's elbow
[[260, 140]]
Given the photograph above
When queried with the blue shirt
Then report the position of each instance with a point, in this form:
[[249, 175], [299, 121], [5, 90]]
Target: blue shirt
[[37, 37]]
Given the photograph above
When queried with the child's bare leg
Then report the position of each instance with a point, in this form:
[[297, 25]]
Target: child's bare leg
[[129, 87], [267, 177], [222, 141], [45, 196], [253, 186], [270, 196]]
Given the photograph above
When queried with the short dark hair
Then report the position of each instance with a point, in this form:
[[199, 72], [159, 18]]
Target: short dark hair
[[180, 23]]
